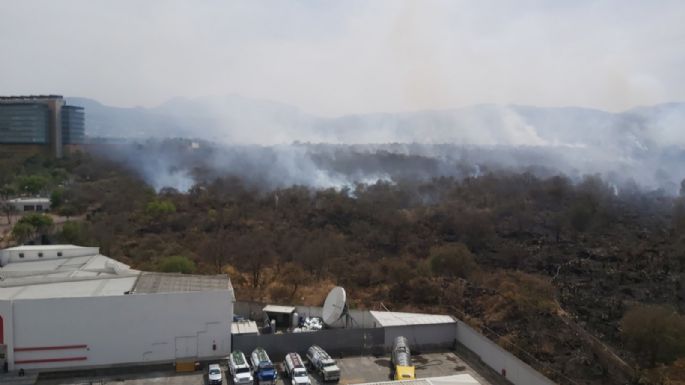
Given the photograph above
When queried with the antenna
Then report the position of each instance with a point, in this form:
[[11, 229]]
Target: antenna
[[335, 306]]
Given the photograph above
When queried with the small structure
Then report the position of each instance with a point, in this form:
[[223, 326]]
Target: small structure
[[244, 327], [283, 315], [23, 205]]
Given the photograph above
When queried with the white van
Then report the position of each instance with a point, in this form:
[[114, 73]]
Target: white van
[[294, 368], [239, 368], [214, 375]]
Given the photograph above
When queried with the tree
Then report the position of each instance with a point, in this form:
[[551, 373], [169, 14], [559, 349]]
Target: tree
[[56, 198], [655, 333], [31, 225], [254, 252], [176, 264], [294, 276], [74, 233], [41, 223], [8, 209], [452, 260], [22, 232], [158, 208], [33, 184]]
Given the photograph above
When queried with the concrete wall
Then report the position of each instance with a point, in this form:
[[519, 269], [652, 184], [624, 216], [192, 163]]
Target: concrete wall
[[120, 329], [334, 341], [517, 371], [423, 337]]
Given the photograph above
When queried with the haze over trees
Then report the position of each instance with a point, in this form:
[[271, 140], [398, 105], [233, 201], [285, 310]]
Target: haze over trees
[[526, 258]]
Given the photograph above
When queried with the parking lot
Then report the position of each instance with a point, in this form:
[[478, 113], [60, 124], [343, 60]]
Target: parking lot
[[354, 370]]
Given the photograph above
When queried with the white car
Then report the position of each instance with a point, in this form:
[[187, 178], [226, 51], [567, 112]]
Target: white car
[[214, 375]]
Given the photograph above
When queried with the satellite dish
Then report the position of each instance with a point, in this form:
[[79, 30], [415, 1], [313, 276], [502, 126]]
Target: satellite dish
[[334, 306]]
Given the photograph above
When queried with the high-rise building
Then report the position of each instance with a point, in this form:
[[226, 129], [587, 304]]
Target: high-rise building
[[40, 122]]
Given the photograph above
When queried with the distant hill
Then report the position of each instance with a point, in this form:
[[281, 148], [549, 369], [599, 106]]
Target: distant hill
[[235, 119]]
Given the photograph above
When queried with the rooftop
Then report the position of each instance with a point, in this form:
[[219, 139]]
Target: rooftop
[[390, 318], [29, 200], [59, 271], [29, 97], [165, 282], [278, 309], [244, 327]]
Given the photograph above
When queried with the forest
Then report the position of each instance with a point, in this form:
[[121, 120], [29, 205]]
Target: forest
[[584, 283]]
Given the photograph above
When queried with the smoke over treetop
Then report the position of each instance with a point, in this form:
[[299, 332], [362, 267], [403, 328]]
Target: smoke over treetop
[[253, 139]]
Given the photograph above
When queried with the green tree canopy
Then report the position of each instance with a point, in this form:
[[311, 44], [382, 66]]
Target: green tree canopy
[[22, 232], [176, 264], [452, 260], [158, 208], [33, 184]]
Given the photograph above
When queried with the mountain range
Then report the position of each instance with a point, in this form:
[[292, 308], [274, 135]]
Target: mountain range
[[238, 120]]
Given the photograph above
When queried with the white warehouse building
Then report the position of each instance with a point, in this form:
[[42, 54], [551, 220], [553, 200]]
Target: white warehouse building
[[65, 306]]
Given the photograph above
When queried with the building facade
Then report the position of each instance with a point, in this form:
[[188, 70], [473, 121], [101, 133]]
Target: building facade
[[43, 122], [66, 307]]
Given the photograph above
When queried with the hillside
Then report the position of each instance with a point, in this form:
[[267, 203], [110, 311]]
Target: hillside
[[565, 275]]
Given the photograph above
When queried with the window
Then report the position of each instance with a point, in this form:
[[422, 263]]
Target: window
[[39, 207], [21, 255], [59, 253], [40, 255]]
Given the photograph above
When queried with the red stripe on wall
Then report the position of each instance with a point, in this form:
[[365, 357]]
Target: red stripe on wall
[[44, 360], [40, 348]]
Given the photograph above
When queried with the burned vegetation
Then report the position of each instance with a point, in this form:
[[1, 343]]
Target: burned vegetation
[[581, 280]]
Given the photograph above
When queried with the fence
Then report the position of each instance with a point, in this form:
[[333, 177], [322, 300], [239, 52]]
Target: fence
[[358, 318], [334, 341], [367, 338], [515, 370]]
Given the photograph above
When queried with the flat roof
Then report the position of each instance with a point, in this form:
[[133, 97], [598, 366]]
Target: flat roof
[[391, 318], [171, 282], [457, 379], [59, 271], [29, 200], [244, 327], [278, 309]]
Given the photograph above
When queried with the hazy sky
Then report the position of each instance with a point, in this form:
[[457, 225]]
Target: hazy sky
[[346, 56]]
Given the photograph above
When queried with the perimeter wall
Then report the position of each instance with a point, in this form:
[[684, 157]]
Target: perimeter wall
[[500, 360]]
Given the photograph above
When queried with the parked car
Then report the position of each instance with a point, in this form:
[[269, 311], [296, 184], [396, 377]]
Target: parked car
[[214, 376], [323, 363]]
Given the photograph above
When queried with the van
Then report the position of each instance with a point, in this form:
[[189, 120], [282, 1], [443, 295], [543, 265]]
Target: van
[[323, 363], [239, 368], [214, 375], [294, 368]]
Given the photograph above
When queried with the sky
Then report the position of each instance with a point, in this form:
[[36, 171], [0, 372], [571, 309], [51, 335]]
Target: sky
[[354, 56]]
